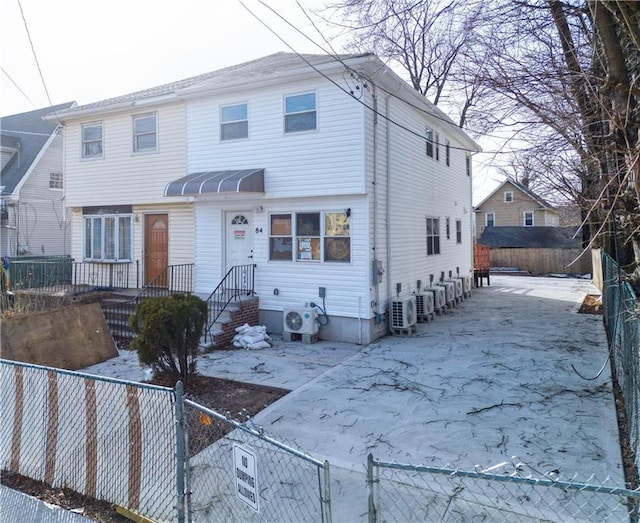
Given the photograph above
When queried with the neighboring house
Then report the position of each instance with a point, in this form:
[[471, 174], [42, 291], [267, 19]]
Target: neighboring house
[[513, 204], [32, 185], [325, 173]]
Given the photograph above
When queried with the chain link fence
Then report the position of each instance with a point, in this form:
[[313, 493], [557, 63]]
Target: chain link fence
[[237, 472], [110, 440], [622, 320], [508, 492]]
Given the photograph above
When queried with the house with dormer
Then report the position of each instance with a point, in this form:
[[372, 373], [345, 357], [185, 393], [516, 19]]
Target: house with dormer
[[32, 211], [335, 181]]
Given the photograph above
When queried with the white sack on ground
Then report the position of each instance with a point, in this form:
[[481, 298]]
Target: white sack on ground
[[252, 337]]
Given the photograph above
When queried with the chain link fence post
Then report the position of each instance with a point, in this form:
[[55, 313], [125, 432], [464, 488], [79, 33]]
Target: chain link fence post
[[370, 490], [181, 455], [326, 497]]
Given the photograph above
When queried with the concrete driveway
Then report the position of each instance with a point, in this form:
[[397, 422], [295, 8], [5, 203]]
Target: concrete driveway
[[498, 376]]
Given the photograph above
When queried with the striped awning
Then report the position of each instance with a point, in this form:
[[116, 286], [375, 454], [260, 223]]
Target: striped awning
[[211, 182]]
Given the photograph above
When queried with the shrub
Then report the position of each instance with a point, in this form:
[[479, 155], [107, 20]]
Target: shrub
[[168, 331]]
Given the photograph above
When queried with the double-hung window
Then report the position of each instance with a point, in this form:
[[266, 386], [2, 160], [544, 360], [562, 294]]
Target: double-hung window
[[145, 133], [428, 134], [468, 164], [433, 236], [528, 218], [300, 113], [310, 237], [508, 196], [234, 122], [92, 140], [447, 152], [436, 143], [490, 219], [107, 237], [458, 231]]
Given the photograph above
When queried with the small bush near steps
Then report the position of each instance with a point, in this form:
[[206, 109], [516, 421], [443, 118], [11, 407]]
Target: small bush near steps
[[168, 331]]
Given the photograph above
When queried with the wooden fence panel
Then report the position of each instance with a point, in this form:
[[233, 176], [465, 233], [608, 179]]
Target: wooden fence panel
[[543, 261]]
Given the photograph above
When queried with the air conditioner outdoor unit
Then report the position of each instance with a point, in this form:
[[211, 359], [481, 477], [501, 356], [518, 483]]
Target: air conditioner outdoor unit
[[424, 306], [300, 321], [466, 285], [449, 291], [458, 291], [439, 297], [403, 312]]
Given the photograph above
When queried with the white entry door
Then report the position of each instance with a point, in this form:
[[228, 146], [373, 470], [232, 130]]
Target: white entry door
[[239, 239]]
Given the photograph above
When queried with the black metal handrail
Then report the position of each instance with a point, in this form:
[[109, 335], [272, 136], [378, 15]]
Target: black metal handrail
[[239, 281], [174, 279]]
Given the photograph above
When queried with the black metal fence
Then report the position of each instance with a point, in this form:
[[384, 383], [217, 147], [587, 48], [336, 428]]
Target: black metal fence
[[62, 275]]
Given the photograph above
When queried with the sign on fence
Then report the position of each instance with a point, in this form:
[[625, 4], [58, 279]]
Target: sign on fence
[[246, 477]]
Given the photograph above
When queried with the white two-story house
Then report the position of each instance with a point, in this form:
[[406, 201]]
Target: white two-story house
[[337, 181]]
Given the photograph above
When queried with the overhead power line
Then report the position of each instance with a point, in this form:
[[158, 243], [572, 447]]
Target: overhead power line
[[17, 86], [372, 109]]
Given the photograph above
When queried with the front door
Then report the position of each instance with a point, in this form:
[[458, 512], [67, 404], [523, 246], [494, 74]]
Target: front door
[[156, 249], [239, 239]]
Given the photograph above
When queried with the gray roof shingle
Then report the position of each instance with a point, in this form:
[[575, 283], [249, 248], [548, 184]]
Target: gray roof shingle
[[28, 133]]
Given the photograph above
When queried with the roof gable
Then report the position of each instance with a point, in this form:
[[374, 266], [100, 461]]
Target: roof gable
[[520, 187], [26, 134]]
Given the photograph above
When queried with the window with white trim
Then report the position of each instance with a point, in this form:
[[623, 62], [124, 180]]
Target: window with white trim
[[458, 231], [310, 237], [433, 236], [145, 133], [428, 134], [528, 218], [508, 196], [490, 219], [108, 237], [234, 122], [468, 164], [56, 181], [436, 141], [92, 140], [300, 113], [447, 152]]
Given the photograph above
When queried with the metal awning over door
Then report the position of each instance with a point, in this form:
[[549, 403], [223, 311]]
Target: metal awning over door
[[211, 182]]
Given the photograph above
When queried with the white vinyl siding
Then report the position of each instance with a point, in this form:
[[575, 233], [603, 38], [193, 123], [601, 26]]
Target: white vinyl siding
[[122, 177], [44, 226], [444, 191], [327, 162]]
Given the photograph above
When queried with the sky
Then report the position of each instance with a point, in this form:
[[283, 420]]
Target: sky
[[86, 51]]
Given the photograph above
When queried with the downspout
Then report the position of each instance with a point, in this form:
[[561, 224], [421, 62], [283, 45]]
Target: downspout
[[374, 275], [388, 198]]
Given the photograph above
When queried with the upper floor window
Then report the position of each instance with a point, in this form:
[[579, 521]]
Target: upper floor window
[[436, 144], [528, 218], [458, 231], [107, 237], [55, 181], [508, 196], [490, 219], [433, 236], [447, 226], [300, 113], [234, 122], [468, 163], [310, 236], [145, 133], [92, 140], [447, 152], [428, 134]]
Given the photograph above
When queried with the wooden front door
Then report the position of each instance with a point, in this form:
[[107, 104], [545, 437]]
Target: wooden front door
[[156, 248]]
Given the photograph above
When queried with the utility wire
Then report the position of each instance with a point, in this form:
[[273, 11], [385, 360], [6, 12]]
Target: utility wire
[[401, 126], [17, 86], [35, 57]]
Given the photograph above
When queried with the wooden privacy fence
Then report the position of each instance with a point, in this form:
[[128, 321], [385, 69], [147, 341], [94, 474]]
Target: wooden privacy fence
[[542, 261]]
